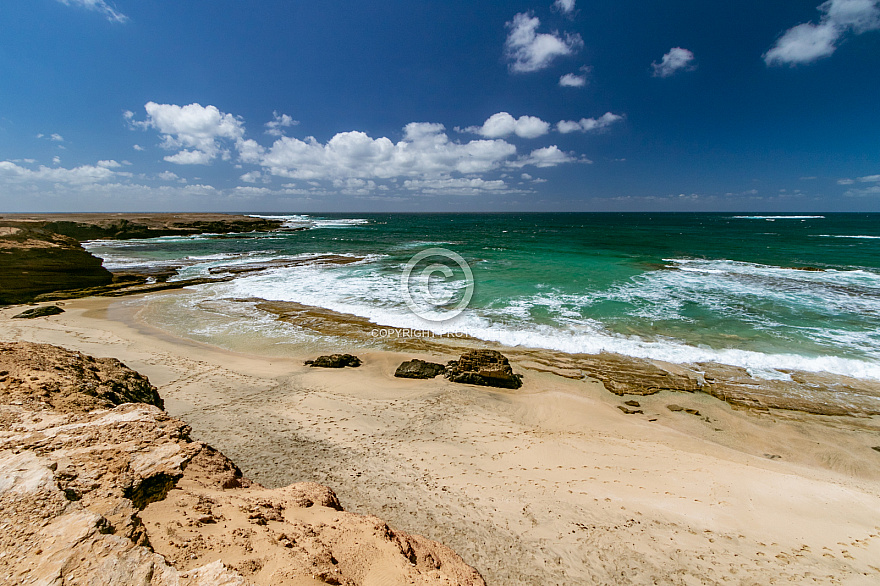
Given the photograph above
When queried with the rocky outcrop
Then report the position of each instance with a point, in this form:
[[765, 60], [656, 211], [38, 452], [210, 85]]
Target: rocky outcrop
[[116, 493], [41, 254], [419, 369], [34, 260], [487, 368], [335, 361], [68, 382], [42, 311], [125, 226]]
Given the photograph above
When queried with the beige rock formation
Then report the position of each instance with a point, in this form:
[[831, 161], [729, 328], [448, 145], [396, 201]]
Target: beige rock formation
[[121, 495]]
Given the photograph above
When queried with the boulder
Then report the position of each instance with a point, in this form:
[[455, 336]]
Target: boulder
[[335, 361], [41, 311], [487, 368], [419, 369]]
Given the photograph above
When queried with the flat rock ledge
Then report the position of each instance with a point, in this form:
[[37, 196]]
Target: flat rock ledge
[[118, 494]]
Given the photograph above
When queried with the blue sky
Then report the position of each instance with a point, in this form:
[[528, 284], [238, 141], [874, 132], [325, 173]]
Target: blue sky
[[565, 105]]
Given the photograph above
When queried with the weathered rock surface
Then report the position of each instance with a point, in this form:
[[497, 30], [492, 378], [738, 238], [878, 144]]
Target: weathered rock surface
[[65, 381], [335, 361], [125, 226], [419, 369], [121, 495], [42, 311], [34, 260], [488, 368], [41, 254]]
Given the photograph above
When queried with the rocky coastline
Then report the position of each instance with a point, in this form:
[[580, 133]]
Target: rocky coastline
[[41, 258], [99, 484]]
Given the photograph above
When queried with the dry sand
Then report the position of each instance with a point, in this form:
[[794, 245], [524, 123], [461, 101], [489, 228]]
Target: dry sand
[[550, 484]]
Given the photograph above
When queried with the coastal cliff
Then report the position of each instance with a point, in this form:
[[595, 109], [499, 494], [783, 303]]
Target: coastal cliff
[[98, 483], [41, 254]]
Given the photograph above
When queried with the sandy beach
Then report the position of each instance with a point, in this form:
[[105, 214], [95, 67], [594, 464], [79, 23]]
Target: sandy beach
[[548, 484]]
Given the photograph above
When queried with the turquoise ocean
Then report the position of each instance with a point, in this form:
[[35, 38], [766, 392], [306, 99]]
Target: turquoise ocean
[[764, 292]]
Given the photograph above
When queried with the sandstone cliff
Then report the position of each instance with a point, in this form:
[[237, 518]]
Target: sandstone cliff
[[96, 490]]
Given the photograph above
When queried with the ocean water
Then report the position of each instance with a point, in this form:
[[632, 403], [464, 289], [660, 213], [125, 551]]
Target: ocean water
[[765, 292]]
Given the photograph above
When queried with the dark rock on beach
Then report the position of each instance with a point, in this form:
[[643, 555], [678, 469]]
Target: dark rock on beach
[[335, 361], [487, 368], [419, 369], [41, 311]]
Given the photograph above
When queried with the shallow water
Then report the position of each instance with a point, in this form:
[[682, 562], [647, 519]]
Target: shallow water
[[729, 288]]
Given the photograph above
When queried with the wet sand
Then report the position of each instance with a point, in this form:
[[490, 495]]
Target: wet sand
[[549, 484]]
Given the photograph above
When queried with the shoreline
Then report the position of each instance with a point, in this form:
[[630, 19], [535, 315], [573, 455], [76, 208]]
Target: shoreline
[[549, 484]]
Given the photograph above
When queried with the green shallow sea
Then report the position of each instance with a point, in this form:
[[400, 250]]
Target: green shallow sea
[[765, 292]]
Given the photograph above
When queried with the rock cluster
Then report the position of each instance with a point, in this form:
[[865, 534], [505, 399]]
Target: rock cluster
[[483, 367], [335, 361], [121, 495]]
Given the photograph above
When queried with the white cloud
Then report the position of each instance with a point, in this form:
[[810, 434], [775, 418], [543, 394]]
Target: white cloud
[[529, 50], [197, 130], [809, 42], [425, 151], [588, 124], [168, 176], [138, 147], [564, 6], [251, 177], [677, 59], [870, 179], [56, 160], [99, 6], [278, 122], [108, 164], [56, 137], [573, 80], [12, 173], [845, 181], [549, 156], [503, 124], [456, 186]]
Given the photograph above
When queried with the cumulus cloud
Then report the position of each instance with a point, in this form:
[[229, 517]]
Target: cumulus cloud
[[168, 176], [809, 42], [564, 6], [550, 156], [353, 162], [199, 131], [573, 80], [12, 173], [138, 147], [528, 50], [588, 124], [425, 150], [677, 59], [503, 124], [101, 6], [278, 122], [456, 186]]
